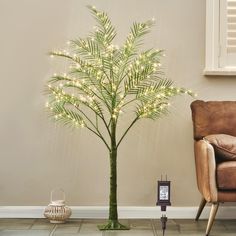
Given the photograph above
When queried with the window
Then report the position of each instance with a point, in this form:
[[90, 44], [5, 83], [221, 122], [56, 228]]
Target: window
[[220, 37]]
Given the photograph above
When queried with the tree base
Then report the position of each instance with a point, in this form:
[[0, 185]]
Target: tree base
[[113, 225]]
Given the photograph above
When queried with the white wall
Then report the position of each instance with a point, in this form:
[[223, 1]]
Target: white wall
[[37, 155]]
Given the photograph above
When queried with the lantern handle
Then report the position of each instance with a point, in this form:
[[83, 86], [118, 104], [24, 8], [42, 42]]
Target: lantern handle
[[59, 190]]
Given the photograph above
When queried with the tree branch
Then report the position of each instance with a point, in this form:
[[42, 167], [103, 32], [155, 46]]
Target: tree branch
[[133, 122], [99, 137]]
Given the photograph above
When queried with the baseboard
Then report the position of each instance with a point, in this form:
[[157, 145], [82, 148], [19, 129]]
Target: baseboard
[[126, 212]]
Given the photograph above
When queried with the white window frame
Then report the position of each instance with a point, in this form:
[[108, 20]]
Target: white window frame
[[213, 47]]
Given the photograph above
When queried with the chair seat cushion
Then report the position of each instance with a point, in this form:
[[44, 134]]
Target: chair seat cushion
[[224, 146], [226, 175]]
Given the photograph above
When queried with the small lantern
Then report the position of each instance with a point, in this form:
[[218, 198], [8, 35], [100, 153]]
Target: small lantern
[[57, 211]]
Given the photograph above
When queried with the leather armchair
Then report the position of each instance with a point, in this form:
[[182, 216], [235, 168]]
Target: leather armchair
[[216, 179]]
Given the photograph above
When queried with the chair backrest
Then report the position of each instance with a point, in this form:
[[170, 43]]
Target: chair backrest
[[213, 117]]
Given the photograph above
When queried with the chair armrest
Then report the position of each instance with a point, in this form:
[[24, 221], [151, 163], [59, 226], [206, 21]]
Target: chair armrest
[[206, 170]]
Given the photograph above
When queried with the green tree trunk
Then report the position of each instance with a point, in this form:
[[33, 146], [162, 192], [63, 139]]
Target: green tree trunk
[[113, 215], [113, 223]]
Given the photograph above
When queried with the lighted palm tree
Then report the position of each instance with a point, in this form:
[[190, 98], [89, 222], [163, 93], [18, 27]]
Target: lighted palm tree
[[102, 81]]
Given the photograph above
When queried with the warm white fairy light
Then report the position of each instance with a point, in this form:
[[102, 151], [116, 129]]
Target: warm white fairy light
[[93, 68], [113, 87], [77, 83]]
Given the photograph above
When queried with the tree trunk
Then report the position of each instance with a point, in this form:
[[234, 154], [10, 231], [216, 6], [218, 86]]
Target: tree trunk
[[113, 223], [113, 215]]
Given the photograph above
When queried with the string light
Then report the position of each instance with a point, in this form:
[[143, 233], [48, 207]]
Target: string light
[[95, 67]]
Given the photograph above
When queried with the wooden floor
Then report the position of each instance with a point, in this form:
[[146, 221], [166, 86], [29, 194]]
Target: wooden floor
[[41, 227]]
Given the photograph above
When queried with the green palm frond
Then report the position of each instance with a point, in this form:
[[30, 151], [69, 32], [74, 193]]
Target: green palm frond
[[88, 48], [66, 116], [105, 31], [133, 41], [104, 79]]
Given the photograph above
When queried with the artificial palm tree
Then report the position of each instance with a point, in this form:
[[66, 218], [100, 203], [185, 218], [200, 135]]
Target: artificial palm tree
[[104, 79]]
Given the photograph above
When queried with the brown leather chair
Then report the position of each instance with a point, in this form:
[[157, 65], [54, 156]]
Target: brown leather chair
[[216, 179]]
